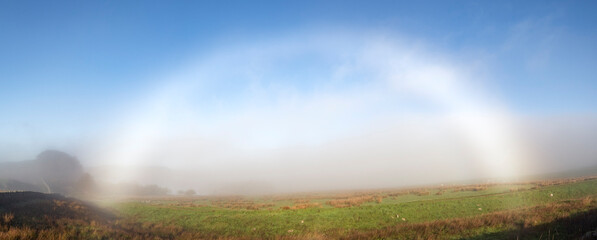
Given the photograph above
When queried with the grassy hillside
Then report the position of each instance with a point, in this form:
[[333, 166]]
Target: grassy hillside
[[316, 215], [555, 209]]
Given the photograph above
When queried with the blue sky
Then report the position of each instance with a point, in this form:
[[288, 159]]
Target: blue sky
[[70, 71], [75, 48]]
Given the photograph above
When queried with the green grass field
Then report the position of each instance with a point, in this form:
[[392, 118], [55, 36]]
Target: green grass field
[[549, 209], [397, 216]]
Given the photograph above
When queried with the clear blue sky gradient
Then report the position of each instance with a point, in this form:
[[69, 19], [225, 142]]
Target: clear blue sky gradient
[[66, 62]]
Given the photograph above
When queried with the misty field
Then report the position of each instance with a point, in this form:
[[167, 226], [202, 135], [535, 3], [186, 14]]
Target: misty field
[[550, 209], [479, 211]]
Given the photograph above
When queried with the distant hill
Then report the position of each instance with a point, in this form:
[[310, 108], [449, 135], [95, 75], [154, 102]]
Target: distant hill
[[52, 171]]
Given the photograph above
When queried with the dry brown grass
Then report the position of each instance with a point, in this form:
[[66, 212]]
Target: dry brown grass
[[422, 192], [302, 206], [241, 204], [7, 217], [354, 201]]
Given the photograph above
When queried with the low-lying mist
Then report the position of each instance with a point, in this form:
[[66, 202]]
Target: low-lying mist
[[310, 112], [381, 159]]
